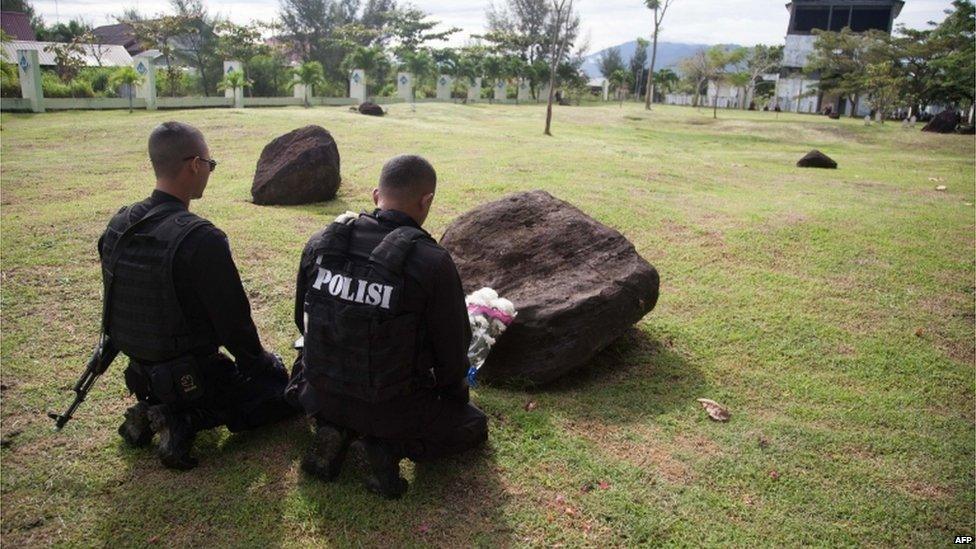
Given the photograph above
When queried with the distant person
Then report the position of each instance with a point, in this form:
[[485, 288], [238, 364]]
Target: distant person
[[173, 297], [386, 336]]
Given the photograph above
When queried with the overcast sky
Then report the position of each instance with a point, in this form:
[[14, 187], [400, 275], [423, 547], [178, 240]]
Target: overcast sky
[[608, 22]]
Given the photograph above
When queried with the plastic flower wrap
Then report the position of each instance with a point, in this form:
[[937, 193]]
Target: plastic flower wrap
[[489, 316]]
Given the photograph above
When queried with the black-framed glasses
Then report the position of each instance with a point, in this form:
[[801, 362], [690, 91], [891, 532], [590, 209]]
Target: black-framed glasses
[[211, 161]]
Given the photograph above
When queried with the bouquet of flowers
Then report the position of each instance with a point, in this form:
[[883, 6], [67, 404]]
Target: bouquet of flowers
[[489, 316]]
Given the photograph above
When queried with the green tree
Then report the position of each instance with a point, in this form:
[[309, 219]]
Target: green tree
[[620, 80], [160, 33], [68, 58], [234, 80], [610, 62], [419, 64], [63, 32], [956, 65], [637, 65], [718, 69], [126, 76], [660, 9], [310, 74], [760, 60], [240, 42], [370, 60], [563, 30], [268, 74], [882, 84], [665, 80], [840, 59]]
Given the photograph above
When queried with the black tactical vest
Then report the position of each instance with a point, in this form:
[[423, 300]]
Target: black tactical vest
[[358, 343], [142, 313]]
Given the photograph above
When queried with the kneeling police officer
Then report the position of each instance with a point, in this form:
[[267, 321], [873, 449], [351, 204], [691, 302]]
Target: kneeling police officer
[[173, 296], [386, 334]]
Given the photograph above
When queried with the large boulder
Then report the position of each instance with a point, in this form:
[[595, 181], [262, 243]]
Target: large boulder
[[816, 159], [944, 122], [371, 109], [299, 167], [577, 284]]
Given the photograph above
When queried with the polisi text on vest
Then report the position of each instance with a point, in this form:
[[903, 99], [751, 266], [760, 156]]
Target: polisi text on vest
[[351, 289]]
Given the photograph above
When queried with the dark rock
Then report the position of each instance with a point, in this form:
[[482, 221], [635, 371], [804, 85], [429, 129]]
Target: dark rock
[[966, 129], [299, 167], [944, 122], [834, 115], [816, 159], [577, 284], [370, 108]]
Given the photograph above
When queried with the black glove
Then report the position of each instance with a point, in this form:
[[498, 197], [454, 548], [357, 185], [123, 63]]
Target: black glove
[[456, 392]]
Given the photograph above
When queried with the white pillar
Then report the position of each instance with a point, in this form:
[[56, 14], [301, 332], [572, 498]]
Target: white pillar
[[524, 90], [474, 90], [147, 90], [29, 71], [237, 94], [357, 85], [544, 93], [444, 85], [501, 90], [606, 90], [405, 85]]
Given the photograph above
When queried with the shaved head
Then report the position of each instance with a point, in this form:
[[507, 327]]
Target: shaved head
[[170, 143], [407, 177]]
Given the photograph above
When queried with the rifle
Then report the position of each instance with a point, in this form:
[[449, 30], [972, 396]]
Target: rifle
[[105, 352]]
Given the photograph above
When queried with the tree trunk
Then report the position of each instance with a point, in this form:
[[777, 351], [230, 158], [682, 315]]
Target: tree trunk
[[715, 104], [552, 90], [650, 72]]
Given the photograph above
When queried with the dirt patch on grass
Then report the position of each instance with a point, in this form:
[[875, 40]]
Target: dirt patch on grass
[[642, 447]]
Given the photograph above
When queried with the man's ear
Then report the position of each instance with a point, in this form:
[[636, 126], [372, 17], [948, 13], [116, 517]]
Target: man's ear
[[376, 197], [426, 200]]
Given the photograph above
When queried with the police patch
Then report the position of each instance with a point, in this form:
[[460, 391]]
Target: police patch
[[353, 290]]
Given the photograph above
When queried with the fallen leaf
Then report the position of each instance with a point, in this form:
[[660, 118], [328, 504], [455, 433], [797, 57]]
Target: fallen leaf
[[570, 511], [530, 405], [940, 188], [763, 443], [604, 485], [774, 474], [588, 487], [715, 410], [423, 528], [919, 332], [154, 539], [560, 498]]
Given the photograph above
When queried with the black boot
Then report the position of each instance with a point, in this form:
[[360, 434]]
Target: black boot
[[175, 438], [324, 459], [135, 430], [383, 459]]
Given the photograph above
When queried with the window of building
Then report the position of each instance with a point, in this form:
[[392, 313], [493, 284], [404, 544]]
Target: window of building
[[839, 18], [807, 19], [864, 19]]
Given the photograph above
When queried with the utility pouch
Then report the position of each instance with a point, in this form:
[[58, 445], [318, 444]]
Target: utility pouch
[[176, 381]]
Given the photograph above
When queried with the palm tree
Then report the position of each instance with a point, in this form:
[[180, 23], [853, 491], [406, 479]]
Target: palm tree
[[234, 80], [126, 76], [420, 64], [309, 74], [665, 80], [619, 80], [370, 60]]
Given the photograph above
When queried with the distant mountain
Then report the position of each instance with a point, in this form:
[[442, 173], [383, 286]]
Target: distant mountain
[[668, 56]]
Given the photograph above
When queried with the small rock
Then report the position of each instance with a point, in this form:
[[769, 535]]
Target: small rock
[[530, 405], [774, 474], [940, 188], [371, 109], [919, 332], [816, 159]]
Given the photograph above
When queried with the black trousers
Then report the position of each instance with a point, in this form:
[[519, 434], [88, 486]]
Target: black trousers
[[457, 428], [229, 398]]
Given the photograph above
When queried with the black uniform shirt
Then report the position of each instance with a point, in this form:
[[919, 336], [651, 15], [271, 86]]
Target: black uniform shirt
[[209, 288], [432, 287]]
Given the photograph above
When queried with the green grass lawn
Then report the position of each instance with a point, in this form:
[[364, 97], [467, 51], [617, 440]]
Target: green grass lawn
[[830, 310]]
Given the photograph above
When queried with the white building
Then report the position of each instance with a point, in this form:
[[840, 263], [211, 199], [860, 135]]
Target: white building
[[796, 91]]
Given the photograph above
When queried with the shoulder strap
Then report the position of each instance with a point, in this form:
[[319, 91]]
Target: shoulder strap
[[392, 252], [334, 240]]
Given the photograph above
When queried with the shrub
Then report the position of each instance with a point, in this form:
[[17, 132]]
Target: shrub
[[9, 80], [81, 88], [51, 86]]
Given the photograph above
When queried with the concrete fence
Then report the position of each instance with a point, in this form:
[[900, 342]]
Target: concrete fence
[[33, 99]]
